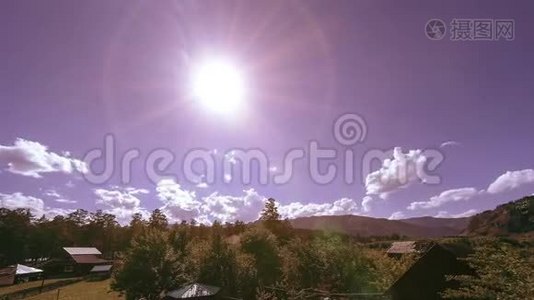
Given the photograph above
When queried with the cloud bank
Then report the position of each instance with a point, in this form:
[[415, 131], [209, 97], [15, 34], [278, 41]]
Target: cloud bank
[[32, 159]]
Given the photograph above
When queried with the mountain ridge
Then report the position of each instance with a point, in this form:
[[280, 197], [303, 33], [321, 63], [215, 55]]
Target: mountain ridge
[[514, 217], [420, 227]]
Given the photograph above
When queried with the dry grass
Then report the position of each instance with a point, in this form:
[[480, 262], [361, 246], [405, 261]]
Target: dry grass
[[93, 290], [22, 286]]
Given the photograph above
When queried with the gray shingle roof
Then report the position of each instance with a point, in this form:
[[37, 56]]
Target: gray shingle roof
[[403, 247], [82, 250], [193, 290]]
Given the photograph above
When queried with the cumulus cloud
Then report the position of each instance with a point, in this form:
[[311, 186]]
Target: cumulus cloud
[[178, 203], [506, 182], [366, 203], [343, 206], [224, 208], [445, 214], [36, 206], [121, 202], [397, 215], [453, 195], [32, 159], [397, 172], [511, 180], [181, 204]]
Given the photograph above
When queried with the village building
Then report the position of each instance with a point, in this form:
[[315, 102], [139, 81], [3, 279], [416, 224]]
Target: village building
[[76, 261], [426, 278], [101, 271], [194, 291], [398, 249], [19, 273]]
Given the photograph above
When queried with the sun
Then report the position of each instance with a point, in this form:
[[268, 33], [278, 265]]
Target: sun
[[219, 85]]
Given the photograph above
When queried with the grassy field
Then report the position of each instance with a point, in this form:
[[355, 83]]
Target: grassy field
[[94, 290], [84, 290], [22, 286]]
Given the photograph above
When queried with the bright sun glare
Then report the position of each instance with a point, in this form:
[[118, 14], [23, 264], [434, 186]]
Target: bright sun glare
[[219, 86]]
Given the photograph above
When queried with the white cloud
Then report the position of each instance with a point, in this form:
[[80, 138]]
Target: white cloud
[[178, 204], [181, 204], [70, 184], [397, 215], [66, 201], [445, 214], [396, 173], [35, 205], [226, 208], [202, 185], [231, 157], [121, 202], [511, 180], [449, 143], [343, 206], [53, 194], [453, 195], [32, 159], [366, 203]]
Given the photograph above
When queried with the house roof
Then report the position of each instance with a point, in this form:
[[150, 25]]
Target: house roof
[[193, 290], [22, 269], [82, 250], [88, 259], [427, 273], [402, 247], [101, 268], [410, 247]]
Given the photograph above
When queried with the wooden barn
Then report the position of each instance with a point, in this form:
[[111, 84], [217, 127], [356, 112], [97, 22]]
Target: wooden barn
[[425, 279], [76, 261]]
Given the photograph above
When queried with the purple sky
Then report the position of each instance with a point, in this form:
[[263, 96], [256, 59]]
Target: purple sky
[[73, 71]]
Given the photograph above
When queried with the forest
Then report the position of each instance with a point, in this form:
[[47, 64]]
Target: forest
[[267, 259]]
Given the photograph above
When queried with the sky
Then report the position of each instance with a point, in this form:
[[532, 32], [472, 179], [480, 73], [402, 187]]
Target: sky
[[439, 127]]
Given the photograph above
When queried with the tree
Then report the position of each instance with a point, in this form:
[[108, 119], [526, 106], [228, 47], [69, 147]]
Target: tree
[[149, 266], [137, 225], [219, 266], [15, 226], [386, 270], [270, 211], [271, 220], [158, 220], [502, 271], [262, 245]]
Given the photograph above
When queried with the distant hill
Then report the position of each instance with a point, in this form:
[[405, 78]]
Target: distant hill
[[509, 218], [423, 227]]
